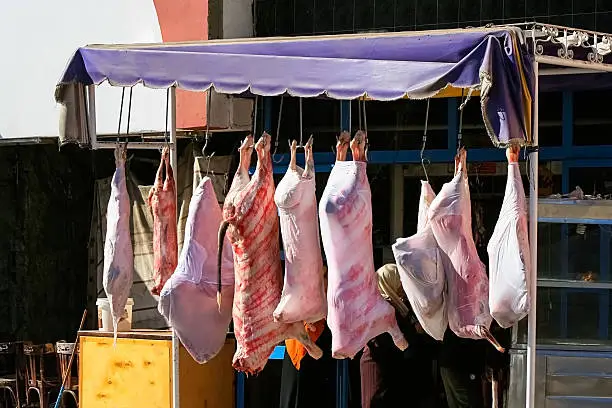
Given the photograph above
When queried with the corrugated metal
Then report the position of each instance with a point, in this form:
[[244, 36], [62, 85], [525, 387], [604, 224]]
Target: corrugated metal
[[567, 379]]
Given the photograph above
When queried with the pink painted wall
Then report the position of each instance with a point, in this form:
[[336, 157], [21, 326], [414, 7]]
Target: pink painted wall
[[185, 20]]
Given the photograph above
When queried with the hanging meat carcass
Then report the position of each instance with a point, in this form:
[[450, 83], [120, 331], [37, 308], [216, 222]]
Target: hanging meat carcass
[[509, 252], [118, 253], [467, 282], [162, 200], [356, 311], [421, 270], [251, 221], [188, 299], [303, 297]]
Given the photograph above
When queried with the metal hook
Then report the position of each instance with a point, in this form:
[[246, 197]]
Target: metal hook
[[207, 134], [464, 101], [255, 115], [127, 131], [461, 110], [280, 113], [365, 126], [425, 141], [301, 126], [120, 113]]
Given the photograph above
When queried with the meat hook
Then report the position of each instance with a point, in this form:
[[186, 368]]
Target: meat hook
[[423, 159], [280, 112], [365, 126], [301, 126]]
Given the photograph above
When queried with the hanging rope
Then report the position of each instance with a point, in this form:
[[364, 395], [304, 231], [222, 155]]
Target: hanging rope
[[255, 115], [278, 124], [425, 141]]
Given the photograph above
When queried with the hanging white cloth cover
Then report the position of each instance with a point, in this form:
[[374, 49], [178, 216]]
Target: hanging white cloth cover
[[510, 256], [303, 297], [188, 300], [118, 253], [421, 270]]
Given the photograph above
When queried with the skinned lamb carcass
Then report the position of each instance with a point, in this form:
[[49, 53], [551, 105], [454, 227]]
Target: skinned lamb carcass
[[303, 297], [421, 270], [118, 252], [188, 300], [251, 221], [356, 312], [509, 252], [468, 286], [162, 200]]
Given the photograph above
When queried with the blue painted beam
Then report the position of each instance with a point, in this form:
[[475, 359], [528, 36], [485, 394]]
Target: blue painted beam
[[240, 379], [278, 353]]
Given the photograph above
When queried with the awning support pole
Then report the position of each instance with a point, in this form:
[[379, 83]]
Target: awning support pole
[[533, 243], [173, 163], [91, 124]]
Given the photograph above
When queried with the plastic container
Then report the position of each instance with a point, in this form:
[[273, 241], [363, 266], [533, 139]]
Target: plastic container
[[105, 320]]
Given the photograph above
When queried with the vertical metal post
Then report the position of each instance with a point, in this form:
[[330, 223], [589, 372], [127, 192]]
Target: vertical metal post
[[567, 131], [267, 114], [91, 115], [342, 380], [173, 163], [533, 242]]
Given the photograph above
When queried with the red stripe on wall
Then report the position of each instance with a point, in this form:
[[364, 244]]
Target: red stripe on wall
[[185, 20]]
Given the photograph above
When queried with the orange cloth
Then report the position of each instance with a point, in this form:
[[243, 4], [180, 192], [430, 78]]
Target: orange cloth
[[296, 350]]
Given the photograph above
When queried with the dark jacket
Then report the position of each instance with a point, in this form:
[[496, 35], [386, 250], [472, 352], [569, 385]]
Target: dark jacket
[[390, 375]]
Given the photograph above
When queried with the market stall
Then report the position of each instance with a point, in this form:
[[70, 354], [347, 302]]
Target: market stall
[[503, 63]]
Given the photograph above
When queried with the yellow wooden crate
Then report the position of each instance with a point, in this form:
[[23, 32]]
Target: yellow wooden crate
[[137, 372]]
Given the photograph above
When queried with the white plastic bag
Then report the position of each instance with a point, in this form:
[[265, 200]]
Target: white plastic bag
[[510, 256], [421, 271], [188, 300]]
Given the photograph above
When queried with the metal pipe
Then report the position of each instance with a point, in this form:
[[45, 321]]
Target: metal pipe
[[173, 163], [533, 243], [133, 146], [564, 62], [567, 71]]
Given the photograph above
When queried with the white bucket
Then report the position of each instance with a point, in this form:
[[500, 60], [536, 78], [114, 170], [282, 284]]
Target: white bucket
[[105, 320]]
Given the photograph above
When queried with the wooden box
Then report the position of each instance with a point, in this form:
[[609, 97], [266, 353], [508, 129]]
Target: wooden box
[[137, 372]]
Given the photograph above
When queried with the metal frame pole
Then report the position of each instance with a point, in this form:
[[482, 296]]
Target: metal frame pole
[[91, 124], [173, 163], [533, 243]]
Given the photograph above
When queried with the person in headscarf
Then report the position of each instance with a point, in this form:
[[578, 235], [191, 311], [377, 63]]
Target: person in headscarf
[[390, 377]]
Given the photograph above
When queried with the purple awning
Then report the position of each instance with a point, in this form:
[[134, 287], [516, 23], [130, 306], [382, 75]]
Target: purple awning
[[383, 67]]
